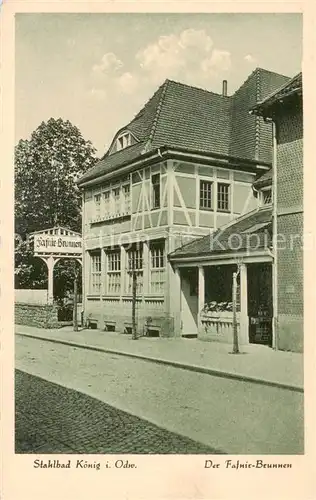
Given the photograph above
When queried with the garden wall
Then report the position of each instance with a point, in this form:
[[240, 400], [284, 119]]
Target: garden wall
[[39, 315]]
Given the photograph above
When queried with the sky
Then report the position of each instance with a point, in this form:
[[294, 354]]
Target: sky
[[98, 70]]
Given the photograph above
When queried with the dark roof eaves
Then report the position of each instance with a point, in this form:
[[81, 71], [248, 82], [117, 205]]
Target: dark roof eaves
[[220, 156], [98, 178], [276, 96], [211, 254]]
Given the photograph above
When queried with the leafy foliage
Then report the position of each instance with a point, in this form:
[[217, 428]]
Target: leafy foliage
[[46, 169]]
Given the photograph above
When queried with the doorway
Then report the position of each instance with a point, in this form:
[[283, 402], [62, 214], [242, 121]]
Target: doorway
[[189, 302], [260, 303]]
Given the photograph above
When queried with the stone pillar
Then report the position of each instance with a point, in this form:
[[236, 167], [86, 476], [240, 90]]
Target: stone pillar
[[244, 320], [201, 293]]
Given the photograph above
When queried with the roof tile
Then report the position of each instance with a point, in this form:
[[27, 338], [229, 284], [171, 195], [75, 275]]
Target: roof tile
[[182, 116]]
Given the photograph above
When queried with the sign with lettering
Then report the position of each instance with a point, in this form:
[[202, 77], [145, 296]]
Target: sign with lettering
[[57, 244]]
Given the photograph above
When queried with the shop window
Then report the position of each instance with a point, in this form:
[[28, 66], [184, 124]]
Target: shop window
[[157, 268], [206, 195]]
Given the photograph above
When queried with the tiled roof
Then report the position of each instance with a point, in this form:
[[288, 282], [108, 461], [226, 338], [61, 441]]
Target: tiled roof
[[113, 161], [143, 123], [193, 118], [182, 116], [234, 237], [164, 121], [264, 180], [293, 86]]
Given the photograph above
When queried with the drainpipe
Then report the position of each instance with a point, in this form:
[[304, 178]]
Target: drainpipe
[[258, 193], [274, 242]]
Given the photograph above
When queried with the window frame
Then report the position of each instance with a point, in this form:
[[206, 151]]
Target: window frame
[[264, 192], [126, 201], [97, 205], [154, 185], [113, 272], [157, 266], [107, 202], [123, 141], [139, 253], [95, 272], [228, 185], [203, 198]]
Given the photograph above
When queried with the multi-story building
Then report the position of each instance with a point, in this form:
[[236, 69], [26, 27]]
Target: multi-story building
[[285, 108], [182, 168]]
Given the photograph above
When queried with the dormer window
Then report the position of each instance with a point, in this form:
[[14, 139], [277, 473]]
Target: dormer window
[[123, 141]]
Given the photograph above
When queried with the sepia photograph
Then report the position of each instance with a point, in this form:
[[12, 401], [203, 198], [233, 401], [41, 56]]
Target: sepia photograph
[[159, 238]]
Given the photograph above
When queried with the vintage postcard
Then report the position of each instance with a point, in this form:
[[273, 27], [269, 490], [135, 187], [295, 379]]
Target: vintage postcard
[[157, 278]]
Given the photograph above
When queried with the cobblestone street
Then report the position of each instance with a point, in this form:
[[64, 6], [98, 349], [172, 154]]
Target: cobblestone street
[[53, 419], [86, 400]]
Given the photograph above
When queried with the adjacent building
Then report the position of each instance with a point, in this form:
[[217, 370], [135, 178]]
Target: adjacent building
[[183, 168], [285, 108]]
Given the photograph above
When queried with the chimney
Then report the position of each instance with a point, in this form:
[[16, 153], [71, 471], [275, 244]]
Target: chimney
[[224, 92]]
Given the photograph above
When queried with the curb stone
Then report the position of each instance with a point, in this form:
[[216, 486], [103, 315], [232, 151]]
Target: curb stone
[[175, 364]]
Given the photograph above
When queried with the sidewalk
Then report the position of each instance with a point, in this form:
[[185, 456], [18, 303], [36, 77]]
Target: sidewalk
[[258, 364]]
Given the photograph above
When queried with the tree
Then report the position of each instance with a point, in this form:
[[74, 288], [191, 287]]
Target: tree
[[46, 169]]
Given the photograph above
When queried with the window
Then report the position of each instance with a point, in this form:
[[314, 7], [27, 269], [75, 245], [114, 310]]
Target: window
[[267, 196], [206, 195], [126, 198], [223, 197], [116, 200], [135, 264], [155, 182], [96, 272], [97, 206], [106, 203], [157, 267], [123, 141], [114, 272]]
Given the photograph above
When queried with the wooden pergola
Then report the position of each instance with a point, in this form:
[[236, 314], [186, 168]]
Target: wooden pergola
[[51, 245]]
